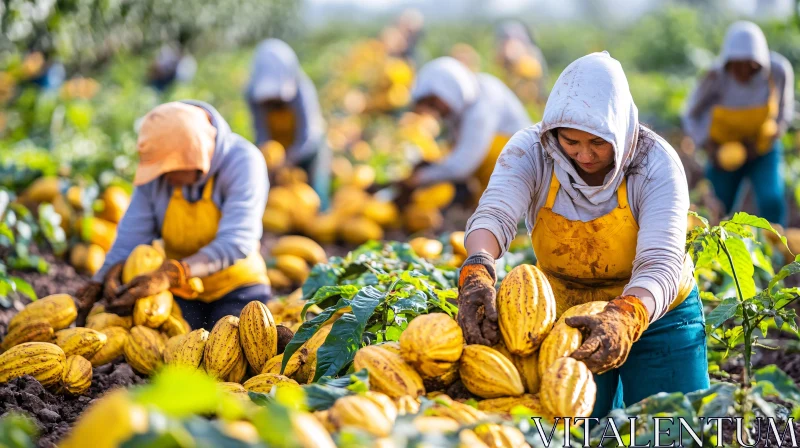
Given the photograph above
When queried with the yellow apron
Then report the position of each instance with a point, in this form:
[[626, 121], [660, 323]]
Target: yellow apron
[[757, 124], [190, 226], [281, 126], [484, 171], [593, 260]]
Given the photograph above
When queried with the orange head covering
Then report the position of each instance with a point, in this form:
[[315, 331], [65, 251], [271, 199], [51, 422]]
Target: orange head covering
[[174, 137]]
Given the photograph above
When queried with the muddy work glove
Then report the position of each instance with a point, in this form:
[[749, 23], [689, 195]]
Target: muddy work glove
[[85, 299], [477, 305], [171, 274], [610, 334]]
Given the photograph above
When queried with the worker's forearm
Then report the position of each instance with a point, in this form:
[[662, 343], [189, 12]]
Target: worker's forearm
[[646, 297], [482, 240]]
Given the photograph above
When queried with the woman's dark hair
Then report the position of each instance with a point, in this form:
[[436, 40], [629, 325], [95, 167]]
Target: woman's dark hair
[[645, 141]]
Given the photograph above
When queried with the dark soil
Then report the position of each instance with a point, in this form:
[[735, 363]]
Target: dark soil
[[55, 414]]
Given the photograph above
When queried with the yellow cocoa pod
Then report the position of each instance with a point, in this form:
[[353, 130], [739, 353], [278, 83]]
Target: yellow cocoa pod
[[176, 310], [274, 154], [359, 412], [526, 309], [731, 156], [385, 214], [349, 201], [58, 309], [418, 219], [305, 374], [305, 197], [359, 230], [431, 343], [435, 196], [116, 414], [264, 382], [113, 348], [43, 189], [464, 414], [233, 388], [192, 348], [278, 279], [144, 350], [407, 405], [392, 346], [527, 366], [388, 373], [153, 311], [172, 344], [429, 424], [80, 341], [97, 308], [468, 439], [310, 432], [439, 375], [298, 359], [501, 436], [77, 376], [488, 374], [584, 309], [426, 247], [568, 389], [300, 246], [222, 349], [144, 259], [276, 221], [561, 342], [387, 406], [238, 372], [87, 257], [99, 231], [38, 330], [115, 202], [281, 198], [174, 326], [322, 228], [294, 267], [504, 405], [241, 430], [101, 321], [41, 360], [457, 243]]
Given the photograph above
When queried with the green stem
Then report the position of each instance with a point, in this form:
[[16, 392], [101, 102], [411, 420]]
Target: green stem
[[746, 324]]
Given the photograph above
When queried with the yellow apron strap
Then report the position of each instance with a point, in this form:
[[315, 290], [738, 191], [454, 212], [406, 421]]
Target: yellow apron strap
[[554, 186], [208, 189], [622, 193]]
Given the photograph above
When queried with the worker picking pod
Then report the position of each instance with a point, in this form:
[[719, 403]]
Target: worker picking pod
[[605, 201], [738, 112], [202, 189]]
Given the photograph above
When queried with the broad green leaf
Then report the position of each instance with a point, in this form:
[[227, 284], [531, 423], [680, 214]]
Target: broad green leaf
[[23, 287], [790, 269], [783, 383], [273, 421], [322, 395], [322, 275], [747, 219], [724, 311], [344, 339], [328, 295], [743, 265], [718, 400], [180, 392], [308, 329], [17, 430]]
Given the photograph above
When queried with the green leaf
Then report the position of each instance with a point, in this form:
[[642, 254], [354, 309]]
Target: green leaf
[[322, 395], [272, 421], [328, 295], [782, 382], [743, 264], [747, 219], [344, 339], [322, 275], [23, 287], [790, 269], [308, 329], [724, 311], [718, 400], [180, 392]]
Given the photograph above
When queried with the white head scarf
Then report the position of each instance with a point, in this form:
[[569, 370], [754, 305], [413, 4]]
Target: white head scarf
[[592, 95], [275, 72], [450, 80], [744, 41]]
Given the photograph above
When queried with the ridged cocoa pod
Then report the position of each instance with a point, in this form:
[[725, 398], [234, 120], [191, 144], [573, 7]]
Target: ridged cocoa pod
[[464, 414], [568, 389], [468, 439], [392, 346], [407, 405], [526, 309], [309, 432], [237, 374], [77, 376], [388, 373], [174, 326], [264, 382], [58, 309], [388, 407], [305, 374], [501, 436], [488, 374], [113, 348], [431, 344], [504, 405], [153, 311], [584, 309], [191, 350], [170, 347], [38, 330], [223, 350], [427, 424], [233, 388], [298, 359], [561, 342], [41, 360], [527, 366], [258, 334], [80, 341], [101, 321], [143, 259], [359, 412], [143, 350], [441, 375]]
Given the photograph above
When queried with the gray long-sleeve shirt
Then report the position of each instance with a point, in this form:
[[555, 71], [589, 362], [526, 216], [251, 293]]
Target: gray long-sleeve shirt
[[240, 192]]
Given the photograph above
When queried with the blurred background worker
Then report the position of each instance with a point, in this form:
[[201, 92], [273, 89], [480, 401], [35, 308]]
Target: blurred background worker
[[481, 115], [738, 112], [523, 61], [285, 108], [173, 63], [202, 189]]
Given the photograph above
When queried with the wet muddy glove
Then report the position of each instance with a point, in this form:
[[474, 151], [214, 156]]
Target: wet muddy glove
[[85, 299], [171, 274], [477, 306], [609, 335], [111, 282]]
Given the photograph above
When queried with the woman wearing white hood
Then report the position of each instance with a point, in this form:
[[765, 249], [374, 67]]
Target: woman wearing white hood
[[738, 112], [605, 200], [285, 108], [479, 110]]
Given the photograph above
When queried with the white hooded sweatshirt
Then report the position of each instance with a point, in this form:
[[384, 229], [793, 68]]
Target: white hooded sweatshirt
[[744, 41], [592, 95], [482, 107]]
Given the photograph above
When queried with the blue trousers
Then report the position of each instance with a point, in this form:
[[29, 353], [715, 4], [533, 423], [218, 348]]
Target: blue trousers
[[766, 179], [669, 357], [205, 315]]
